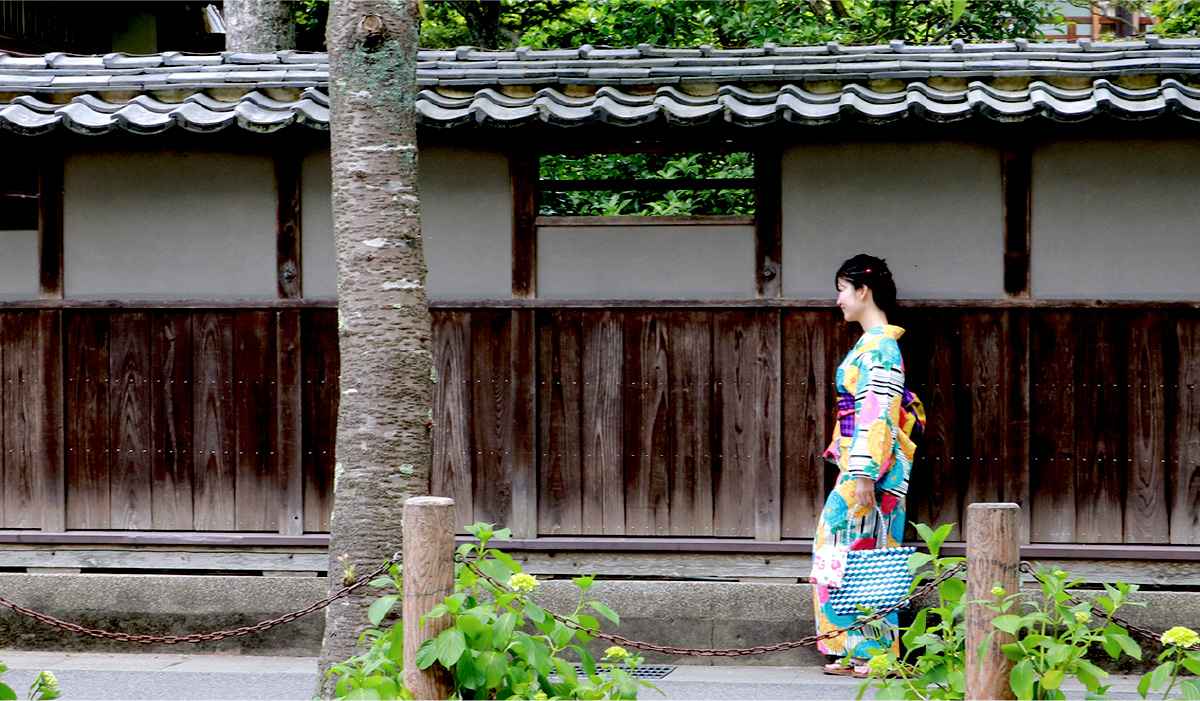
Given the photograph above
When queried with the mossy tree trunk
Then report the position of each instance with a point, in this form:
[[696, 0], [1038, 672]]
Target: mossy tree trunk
[[259, 25], [383, 444]]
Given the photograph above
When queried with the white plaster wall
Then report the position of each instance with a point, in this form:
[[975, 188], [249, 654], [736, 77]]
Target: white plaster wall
[[646, 262], [169, 225], [318, 259], [466, 222], [933, 210], [19, 265], [1116, 220]]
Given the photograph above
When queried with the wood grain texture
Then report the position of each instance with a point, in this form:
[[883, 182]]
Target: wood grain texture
[[22, 405], [1017, 427], [934, 362], [452, 414], [809, 417], [1100, 425], [51, 467], [1052, 436], [985, 360], [603, 335], [171, 420], [768, 220], [767, 420], [647, 413], [428, 579], [288, 413], [321, 363], [50, 224], [1146, 521], [1016, 179], [213, 412], [132, 467], [1185, 437], [523, 466], [560, 389], [492, 422], [689, 357], [258, 497], [993, 558], [737, 353], [524, 173], [86, 419], [287, 238], [638, 220]]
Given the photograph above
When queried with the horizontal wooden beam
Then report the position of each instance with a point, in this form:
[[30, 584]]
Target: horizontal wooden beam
[[768, 303], [635, 220], [206, 304], [176, 538], [645, 184], [84, 557]]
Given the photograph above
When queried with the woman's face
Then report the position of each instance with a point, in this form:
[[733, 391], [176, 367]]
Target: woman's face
[[850, 300]]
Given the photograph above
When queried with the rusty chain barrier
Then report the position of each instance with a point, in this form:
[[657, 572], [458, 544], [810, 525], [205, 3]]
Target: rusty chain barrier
[[201, 637], [736, 652], [617, 639]]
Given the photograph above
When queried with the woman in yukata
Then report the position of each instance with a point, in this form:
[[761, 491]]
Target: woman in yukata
[[873, 448]]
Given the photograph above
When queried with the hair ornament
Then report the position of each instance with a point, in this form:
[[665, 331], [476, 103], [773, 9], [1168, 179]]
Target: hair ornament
[[867, 270]]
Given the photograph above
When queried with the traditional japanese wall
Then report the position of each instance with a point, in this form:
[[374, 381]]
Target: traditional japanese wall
[[169, 224], [933, 210], [1115, 220], [646, 262], [19, 264], [318, 259]]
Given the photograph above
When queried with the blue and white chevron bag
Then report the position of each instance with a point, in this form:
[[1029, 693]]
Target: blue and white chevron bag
[[875, 578]]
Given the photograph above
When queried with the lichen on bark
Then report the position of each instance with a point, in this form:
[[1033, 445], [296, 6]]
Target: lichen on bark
[[386, 382]]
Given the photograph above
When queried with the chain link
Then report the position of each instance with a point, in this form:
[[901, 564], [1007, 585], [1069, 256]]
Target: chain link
[[735, 652], [201, 637], [1097, 610]]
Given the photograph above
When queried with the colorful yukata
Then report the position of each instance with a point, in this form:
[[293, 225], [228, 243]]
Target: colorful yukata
[[878, 418]]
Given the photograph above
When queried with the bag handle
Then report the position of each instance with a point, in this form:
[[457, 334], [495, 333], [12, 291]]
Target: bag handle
[[881, 532]]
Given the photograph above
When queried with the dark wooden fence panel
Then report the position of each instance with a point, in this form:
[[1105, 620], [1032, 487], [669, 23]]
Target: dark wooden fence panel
[[167, 419], [694, 422]]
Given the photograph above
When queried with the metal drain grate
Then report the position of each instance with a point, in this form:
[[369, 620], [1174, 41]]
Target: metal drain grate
[[649, 671]]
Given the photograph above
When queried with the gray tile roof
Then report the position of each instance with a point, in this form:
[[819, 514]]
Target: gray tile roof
[[1008, 81]]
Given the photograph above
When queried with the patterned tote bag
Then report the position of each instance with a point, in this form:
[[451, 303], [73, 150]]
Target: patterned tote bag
[[875, 579]]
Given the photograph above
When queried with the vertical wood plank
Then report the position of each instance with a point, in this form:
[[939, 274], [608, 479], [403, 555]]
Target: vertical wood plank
[[493, 421], [287, 239], [1016, 465], [452, 413], [1146, 521], [1100, 425], [214, 416], [524, 172], [171, 420], [647, 411], [939, 481], [603, 424], [321, 363], [53, 468], [560, 485], [523, 391], [1052, 419], [1016, 178], [689, 357], [768, 218], [86, 420], [735, 477], [768, 429], [809, 418], [289, 422], [1185, 439], [22, 406], [258, 499], [985, 359], [50, 224], [129, 421]]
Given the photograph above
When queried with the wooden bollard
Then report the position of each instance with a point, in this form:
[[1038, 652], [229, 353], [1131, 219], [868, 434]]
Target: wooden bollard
[[428, 578], [993, 557]]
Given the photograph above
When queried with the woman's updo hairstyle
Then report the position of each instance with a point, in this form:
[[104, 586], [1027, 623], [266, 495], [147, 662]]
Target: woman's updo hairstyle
[[868, 271]]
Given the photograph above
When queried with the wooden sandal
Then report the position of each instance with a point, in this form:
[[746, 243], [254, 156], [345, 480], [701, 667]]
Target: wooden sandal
[[836, 669]]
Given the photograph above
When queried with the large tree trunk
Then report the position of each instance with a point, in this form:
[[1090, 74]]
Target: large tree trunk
[[259, 25], [383, 446]]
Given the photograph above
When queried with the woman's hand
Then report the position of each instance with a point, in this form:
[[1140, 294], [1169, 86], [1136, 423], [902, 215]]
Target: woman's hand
[[864, 492]]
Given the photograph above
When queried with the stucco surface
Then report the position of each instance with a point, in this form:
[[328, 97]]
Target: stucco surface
[[646, 262], [19, 264], [933, 210], [169, 224], [1116, 220], [318, 259]]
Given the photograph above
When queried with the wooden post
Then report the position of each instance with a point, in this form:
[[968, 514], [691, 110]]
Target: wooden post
[[993, 557], [428, 578]]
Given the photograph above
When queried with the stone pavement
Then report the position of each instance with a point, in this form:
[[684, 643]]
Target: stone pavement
[[153, 677]]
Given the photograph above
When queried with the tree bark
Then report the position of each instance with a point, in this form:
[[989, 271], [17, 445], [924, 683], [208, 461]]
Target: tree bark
[[259, 26], [383, 445]]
